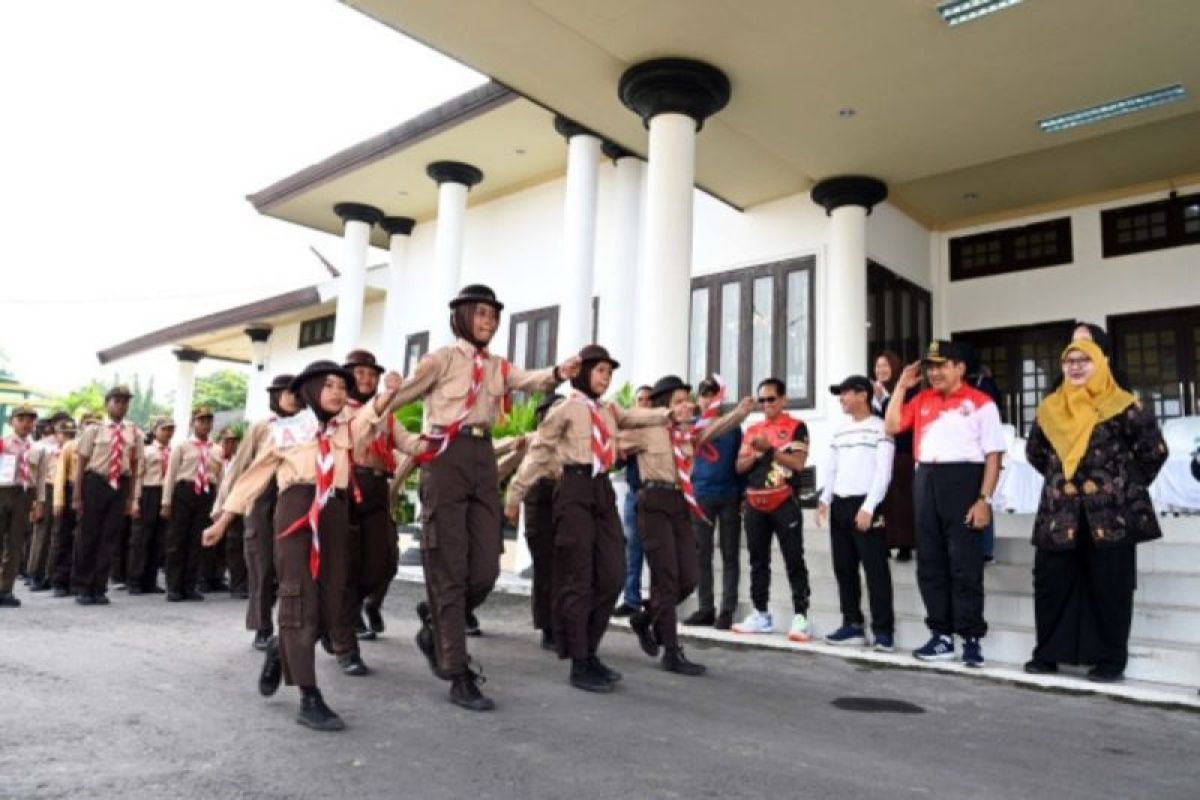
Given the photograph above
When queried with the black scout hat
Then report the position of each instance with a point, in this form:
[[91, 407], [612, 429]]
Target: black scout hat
[[855, 383], [668, 384], [594, 352], [941, 350], [477, 293], [362, 358], [318, 369], [281, 382]]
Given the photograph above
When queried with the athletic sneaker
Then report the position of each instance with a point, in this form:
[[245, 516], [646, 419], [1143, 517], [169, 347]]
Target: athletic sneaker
[[938, 648], [847, 634], [972, 652], [799, 632], [884, 643], [756, 622]]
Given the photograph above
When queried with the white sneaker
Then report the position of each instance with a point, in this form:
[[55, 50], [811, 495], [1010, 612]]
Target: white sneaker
[[756, 622], [799, 631]]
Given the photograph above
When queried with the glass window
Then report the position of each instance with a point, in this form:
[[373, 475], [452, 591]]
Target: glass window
[[698, 337], [541, 346], [762, 325], [520, 343], [731, 329], [799, 328]]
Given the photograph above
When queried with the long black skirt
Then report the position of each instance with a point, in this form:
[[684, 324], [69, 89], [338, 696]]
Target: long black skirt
[[1083, 602]]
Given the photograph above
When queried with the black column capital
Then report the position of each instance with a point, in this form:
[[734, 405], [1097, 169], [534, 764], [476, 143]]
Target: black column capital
[[568, 127], [678, 85], [188, 354], [358, 212], [258, 333], [397, 226], [614, 151], [454, 172], [849, 190]]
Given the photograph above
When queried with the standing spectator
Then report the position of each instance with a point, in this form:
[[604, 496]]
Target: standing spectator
[[856, 475], [22, 472], [718, 489], [959, 441], [979, 377], [1098, 451], [773, 453], [898, 514], [148, 543], [631, 601]]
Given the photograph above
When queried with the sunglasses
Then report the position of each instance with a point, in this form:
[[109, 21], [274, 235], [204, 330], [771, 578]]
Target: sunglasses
[[765, 400]]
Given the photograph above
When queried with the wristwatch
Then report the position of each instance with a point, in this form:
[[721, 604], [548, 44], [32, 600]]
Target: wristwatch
[[986, 498]]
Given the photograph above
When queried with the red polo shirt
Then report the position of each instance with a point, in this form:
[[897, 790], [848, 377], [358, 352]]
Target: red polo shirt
[[963, 426]]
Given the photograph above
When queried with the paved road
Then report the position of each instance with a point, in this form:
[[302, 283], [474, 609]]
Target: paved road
[[148, 700]]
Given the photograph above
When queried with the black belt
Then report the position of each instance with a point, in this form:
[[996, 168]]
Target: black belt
[[544, 483], [479, 431], [578, 469], [371, 471], [667, 485]]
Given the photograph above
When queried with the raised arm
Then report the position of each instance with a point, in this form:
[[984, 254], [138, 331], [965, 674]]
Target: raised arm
[[896, 420], [727, 422]]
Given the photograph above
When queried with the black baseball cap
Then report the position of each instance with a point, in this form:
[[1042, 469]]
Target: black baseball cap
[[942, 350], [855, 383]]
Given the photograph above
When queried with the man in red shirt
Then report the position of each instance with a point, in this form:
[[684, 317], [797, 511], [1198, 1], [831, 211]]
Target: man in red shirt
[[958, 441]]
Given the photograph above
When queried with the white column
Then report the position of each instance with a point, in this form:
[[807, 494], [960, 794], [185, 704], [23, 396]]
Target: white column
[[257, 404], [454, 181], [579, 237], [398, 229], [617, 280], [352, 283], [185, 387], [673, 96]]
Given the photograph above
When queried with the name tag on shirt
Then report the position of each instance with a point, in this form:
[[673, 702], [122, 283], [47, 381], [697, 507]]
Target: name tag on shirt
[[294, 430], [8, 469]]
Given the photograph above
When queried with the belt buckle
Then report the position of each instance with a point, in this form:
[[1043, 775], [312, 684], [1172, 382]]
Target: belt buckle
[[477, 431]]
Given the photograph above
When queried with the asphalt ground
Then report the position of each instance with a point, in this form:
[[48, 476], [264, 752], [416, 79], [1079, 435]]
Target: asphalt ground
[[144, 699]]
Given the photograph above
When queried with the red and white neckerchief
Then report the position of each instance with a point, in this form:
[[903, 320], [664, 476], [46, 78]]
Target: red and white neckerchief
[[436, 443], [683, 468], [116, 450], [202, 479], [602, 442], [707, 417], [24, 473], [324, 487]]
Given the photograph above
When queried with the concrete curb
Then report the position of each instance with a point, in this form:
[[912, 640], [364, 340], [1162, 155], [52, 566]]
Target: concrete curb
[[1140, 692]]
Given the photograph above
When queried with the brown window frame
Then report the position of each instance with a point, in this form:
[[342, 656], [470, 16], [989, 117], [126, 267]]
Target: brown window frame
[[316, 331], [422, 341], [1007, 239], [745, 277], [1174, 207]]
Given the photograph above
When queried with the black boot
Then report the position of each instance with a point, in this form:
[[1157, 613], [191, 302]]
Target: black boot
[[640, 622], [903, 554], [588, 679], [272, 669], [8, 601], [548, 639], [706, 618], [261, 640], [472, 627], [352, 664], [464, 692], [425, 642], [374, 617], [674, 660], [362, 632], [603, 670], [41, 585], [327, 643], [315, 714]]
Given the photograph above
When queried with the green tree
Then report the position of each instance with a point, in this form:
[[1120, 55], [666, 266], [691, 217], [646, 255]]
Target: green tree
[[89, 397], [224, 390], [143, 407]]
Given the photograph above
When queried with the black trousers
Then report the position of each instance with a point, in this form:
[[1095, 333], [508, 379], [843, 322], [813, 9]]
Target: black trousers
[[949, 553], [258, 544], [62, 544], [235, 557], [786, 523], [99, 532], [851, 548], [1083, 602], [539, 537], [726, 515], [120, 559], [190, 514], [148, 540]]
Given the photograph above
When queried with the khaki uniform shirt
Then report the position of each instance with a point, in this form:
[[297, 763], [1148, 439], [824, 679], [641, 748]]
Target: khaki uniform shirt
[[365, 455], [152, 469], [508, 456], [443, 378], [35, 456], [95, 446], [656, 454], [297, 464], [68, 463], [53, 450], [248, 450], [185, 461]]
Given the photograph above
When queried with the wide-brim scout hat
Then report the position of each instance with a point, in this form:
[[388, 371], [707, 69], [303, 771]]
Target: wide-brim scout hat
[[319, 369], [855, 383], [66, 427], [668, 384], [120, 390], [362, 358], [594, 352], [164, 422], [281, 382], [477, 293], [201, 412], [88, 417], [24, 410], [941, 350], [227, 433]]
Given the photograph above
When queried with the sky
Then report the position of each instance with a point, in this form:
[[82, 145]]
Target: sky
[[134, 129]]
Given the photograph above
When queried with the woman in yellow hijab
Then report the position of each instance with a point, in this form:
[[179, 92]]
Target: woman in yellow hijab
[[1098, 451]]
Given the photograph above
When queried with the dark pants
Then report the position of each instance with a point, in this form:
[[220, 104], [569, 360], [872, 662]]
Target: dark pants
[[191, 513], [375, 548], [147, 545], [539, 537], [727, 514], [15, 504], [850, 548], [589, 563], [235, 556], [634, 557], [99, 533], [949, 553], [38, 565], [1083, 602], [259, 546], [787, 523], [62, 545], [898, 510], [120, 559], [669, 542], [460, 541], [307, 607], [211, 565]]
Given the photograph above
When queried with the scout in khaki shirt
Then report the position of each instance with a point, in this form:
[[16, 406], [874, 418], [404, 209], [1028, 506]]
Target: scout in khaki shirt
[[464, 386], [22, 471], [665, 507], [189, 488], [38, 566], [148, 542], [62, 543], [580, 434], [103, 495], [234, 555], [309, 456]]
